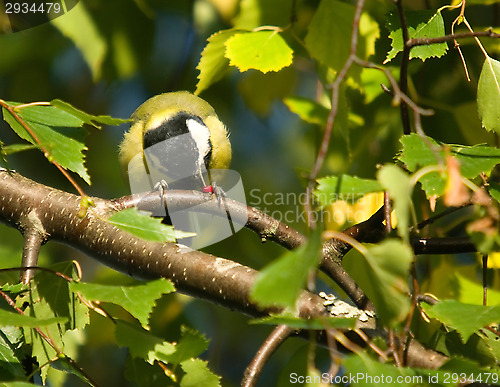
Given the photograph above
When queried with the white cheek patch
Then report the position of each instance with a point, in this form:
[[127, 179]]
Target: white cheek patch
[[201, 135]]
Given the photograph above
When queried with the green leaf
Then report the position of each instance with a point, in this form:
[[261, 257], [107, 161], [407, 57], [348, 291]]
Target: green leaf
[[328, 31], [12, 352], [141, 343], [421, 24], [397, 183], [488, 95], [345, 187], [494, 191], [417, 153], [142, 225], [452, 312], [79, 26], [312, 112], [19, 320], [308, 110], [55, 291], [48, 115], [138, 300], [191, 344], [280, 282], [15, 148], [369, 32], [213, 64], [198, 374], [382, 273], [261, 50], [260, 91], [371, 81], [87, 118], [313, 323], [144, 374], [49, 298], [57, 132]]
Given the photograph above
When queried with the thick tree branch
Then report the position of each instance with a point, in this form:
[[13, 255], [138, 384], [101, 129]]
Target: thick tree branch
[[195, 273]]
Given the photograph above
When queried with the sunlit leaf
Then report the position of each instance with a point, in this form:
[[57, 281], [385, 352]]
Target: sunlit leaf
[[418, 152], [142, 225], [213, 63], [421, 24], [383, 275], [19, 320], [452, 312], [488, 95], [87, 118], [262, 50], [326, 39], [308, 110], [280, 282], [397, 183], [198, 374]]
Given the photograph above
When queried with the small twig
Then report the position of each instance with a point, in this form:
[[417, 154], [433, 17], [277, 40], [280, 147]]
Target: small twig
[[20, 268], [485, 279], [398, 93], [387, 212], [333, 113], [434, 218], [403, 72], [335, 360], [441, 39], [270, 345], [371, 344], [394, 350], [414, 301]]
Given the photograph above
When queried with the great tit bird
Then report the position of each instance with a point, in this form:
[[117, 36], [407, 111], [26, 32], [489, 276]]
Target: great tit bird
[[180, 134]]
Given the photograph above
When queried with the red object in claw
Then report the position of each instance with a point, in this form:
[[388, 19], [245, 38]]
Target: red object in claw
[[208, 189]]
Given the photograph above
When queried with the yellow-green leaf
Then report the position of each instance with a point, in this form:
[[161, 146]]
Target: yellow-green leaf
[[262, 50], [213, 64], [488, 95]]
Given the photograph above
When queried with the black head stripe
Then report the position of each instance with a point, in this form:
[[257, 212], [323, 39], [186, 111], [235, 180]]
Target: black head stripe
[[172, 127]]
